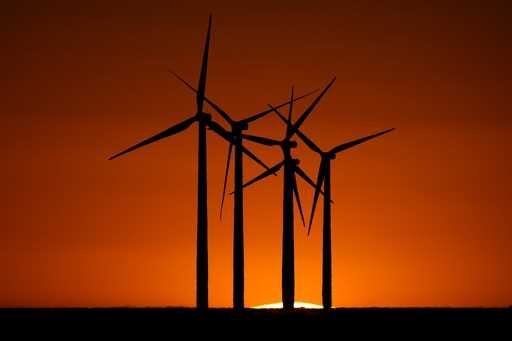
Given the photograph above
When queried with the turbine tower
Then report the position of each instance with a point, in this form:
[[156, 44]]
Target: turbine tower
[[291, 167], [237, 128], [203, 120], [324, 178]]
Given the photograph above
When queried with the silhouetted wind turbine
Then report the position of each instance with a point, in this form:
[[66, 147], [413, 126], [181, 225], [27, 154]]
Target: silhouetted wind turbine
[[291, 167], [324, 177], [204, 120], [237, 127]]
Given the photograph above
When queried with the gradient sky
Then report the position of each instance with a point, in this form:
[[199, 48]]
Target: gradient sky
[[422, 216]]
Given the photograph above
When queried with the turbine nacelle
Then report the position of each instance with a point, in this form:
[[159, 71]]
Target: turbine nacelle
[[289, 144], [241, 126], [204, 117]]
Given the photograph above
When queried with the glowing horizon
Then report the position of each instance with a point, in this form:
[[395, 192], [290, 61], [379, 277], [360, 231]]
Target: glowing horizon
[[279, 305], [421, 217]]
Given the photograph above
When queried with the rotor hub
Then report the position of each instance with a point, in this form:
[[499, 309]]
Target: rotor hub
[[204, 117], [243, 126], [289, 144]]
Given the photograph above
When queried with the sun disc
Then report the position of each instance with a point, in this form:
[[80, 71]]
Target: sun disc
[[279, 305]]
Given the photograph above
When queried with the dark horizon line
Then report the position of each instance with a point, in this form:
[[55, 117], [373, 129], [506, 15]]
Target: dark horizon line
[[251, 308]]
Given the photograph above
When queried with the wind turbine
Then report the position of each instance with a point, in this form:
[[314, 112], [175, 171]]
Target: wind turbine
[[324, 177], [237, 128], [203, 120], [290, 169]]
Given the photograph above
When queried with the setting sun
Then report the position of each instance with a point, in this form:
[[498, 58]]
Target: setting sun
[[279, 305]]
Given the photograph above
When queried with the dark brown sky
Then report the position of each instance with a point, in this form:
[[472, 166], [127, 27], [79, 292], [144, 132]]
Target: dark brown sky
[[422, 216]]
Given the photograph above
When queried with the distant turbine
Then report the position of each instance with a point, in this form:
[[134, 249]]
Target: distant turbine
[[291, 167], [324, 177], [204, 120], [237, 127]]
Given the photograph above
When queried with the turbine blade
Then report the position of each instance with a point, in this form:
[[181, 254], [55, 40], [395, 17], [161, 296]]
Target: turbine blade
[[308, 180], [261, 140], [308, 142], [302, 136], [166, 133], [319, 183], [308, 111], [274, 109], [216, 107], [266, 173], [254, 157], [204, 69], [281, 115], [230, 149], [297, 198], [290, 110], [228, 137], [257, 116], [354, 143]]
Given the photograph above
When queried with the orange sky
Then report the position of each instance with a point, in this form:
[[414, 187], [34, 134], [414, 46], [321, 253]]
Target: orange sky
[[421, 216]]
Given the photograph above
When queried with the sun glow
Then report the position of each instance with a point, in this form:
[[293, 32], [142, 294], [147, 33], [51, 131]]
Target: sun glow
[[279, 305]]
